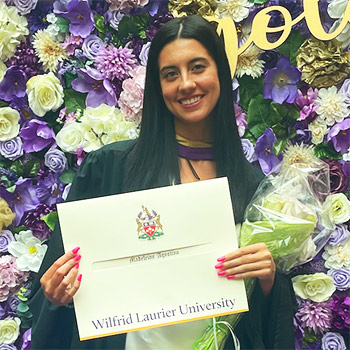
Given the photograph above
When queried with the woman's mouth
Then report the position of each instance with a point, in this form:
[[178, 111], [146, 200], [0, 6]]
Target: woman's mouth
[[190, 101]]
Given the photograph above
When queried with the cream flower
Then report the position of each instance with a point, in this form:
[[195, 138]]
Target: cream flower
[[337, 257], [249, 63], [9, 126], [45, 93], [28, 250], [9, 330], [337, 208], [317, 287], [331, 106], [6, 214], [299, 156], [3, 69], [70, 137], [238, 10], [49, 51], [13, 29], [318, 129]]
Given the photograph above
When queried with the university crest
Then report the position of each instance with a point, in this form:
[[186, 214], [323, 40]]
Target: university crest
[[148, 224]]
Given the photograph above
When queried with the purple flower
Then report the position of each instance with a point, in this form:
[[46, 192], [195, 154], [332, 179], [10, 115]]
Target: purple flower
[[114, 18], [25, 6], [6, 237], [345, 89], [333, 341], [37, 135], [340, 306], [338, 180], [270, 57], [99, 90], [37, 18], [241, 120], [91, 46], [264, 151], [341, 278], [80, 16], [13, 84], [27, 338], [22, 199], [339, 235], [306, 103], [340, 135], [11, 149], [115, 62], [144, 53], [280, 83], [12, 304], [49, 190], [303, 135], [71, 43], [248, 150], [32, 220], [299, 335], [55, 160], [7, 347]]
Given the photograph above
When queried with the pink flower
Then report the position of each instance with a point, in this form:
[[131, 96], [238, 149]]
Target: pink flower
[[71, 43], [241, 120], [131, 98], [306, 103]]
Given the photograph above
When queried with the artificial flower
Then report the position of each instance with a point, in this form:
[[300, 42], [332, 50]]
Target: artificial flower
[[337, 207], [336, 10], [248, 150], [338, 180], [13, 29], [322, 63], [340, 306], [91, 45], [71, 43], [114, 18], [27, 337], [317, 287], [306, 103], [238, 10], [317, 317], [299, 156], [126, 5], [3, 69], [303, 135], [70, 137], [339, 134], [25, 6], [341, 278], [337, 257], [9, 330], [13, 84], [49, 190], [29, 251], [144, 53], [55, 160], [9, 126], [249, 63], [37, 19], [339, 235], [6, 237], [6, 214], [241, 120], [45, 93], [115, 62], [280, 83], [49, 51], [11, 149], [319, 130], [333, 341], [345, 89], [179, 8]]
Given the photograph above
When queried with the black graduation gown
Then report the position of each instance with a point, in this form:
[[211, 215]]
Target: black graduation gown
[[268, 325]]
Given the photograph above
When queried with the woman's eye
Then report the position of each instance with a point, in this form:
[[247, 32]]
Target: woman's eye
[[198, 67], [170, 75]]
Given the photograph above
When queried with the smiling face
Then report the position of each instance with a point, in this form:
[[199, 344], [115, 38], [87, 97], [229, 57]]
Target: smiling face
[[190, 86]]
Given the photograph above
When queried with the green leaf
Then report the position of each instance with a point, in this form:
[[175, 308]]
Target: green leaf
[[290, 47], [281, 131], [69, 77], [3, 104], [259, 1], [100, 23], [258, 115], [19, 229], [279, 146], [63, 24], [327, 151], [17, 167], [67, 176], [277, 112], [50, 219], [31, 168], [74, 100], [249, 88], [22, 307], [126, 27]]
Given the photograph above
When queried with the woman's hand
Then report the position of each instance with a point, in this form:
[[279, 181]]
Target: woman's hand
[[60, 281], [251, 261]]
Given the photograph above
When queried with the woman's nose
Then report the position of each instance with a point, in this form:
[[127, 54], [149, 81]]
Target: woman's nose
[[187, 83]]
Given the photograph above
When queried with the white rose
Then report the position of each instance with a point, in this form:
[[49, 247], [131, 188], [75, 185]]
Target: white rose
[[337, 208], [316, 287], [45, 93], [9, 126], [70, 137], [9, 330], [92, 140], [3, 69], [337, 257], [336, 8], [319, 129]]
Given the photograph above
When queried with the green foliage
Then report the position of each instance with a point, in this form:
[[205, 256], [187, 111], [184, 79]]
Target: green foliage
[[326, 150], [290, 47], [258, 1], [63, 24], [74, 100], [67, 176], [69, 77], [50, 220], [18, 229], [27, 169], [100, 25], [3, 104], [248, 89], [279, 146]]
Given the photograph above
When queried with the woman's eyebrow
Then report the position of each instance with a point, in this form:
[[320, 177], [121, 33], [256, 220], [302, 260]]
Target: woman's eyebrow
[[203, 59]]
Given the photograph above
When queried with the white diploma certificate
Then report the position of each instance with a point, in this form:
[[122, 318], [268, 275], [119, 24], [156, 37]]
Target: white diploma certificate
[[148, 257]]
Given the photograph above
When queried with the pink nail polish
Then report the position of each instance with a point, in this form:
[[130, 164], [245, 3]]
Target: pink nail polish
[[221, 259], [222, 273], [219, 266], [76, 266], [79, 277], [230, 277], [75, 250], [77, 258]]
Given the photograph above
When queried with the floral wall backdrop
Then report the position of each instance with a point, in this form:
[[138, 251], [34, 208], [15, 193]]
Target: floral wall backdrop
[[71, 80]]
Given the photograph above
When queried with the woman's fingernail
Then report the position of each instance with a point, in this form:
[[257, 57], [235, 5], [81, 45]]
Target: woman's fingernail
[[79, 277], [75, 250], [76, 266], [222, 273], [221, 259], [77, 258], [230, 277], [219, 266]]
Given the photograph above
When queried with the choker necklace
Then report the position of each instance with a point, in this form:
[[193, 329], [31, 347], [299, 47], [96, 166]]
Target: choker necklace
[[195, 150]]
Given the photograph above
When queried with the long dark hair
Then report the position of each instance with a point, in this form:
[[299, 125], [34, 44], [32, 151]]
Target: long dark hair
[[153, 161]]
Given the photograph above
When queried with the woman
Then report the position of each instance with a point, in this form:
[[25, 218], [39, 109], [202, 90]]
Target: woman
[[188, 133]]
